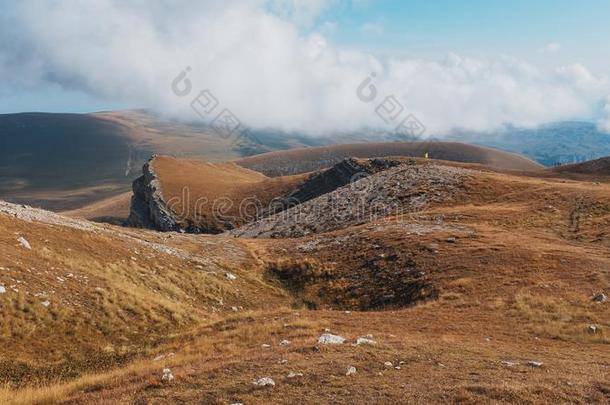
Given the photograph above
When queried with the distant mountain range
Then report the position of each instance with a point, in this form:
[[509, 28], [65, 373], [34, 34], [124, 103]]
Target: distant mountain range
[[553, 144]]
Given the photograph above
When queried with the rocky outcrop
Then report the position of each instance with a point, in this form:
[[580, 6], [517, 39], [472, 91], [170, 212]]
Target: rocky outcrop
[[401, 190], [148, 208], [345, 172]]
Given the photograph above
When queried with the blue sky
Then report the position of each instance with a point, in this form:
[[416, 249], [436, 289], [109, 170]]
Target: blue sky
[[471, 64], [480, 27]]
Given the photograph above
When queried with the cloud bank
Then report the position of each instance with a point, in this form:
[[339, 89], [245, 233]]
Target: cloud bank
[[258, 60]]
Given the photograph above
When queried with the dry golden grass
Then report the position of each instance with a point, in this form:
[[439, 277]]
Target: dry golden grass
[[564, 318], [230, 336], [108, 300], [113, 209]]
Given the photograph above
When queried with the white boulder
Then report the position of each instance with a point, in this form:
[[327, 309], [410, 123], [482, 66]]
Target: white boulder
[[167, 375], [330, 339], [365, 341], [264, 382], [294, 375], [23, 242]]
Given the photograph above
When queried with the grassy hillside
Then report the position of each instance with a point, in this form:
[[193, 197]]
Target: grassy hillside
[[217, 196], [484, 296], [310, 159], [67, 161], [598, 167], [57, 160]]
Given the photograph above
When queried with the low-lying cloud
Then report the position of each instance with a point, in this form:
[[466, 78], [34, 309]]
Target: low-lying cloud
[[259, 61]]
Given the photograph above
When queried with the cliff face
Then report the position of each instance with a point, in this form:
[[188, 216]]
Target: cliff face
[[148, 208]]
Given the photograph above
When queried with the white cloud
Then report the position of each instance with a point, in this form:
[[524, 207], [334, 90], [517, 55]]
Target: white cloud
[[552, 47], [372, 28], [257, 62]]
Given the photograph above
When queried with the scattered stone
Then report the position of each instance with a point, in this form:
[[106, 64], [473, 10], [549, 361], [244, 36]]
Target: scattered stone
[[365, 341], [285, 342], [510, 363], [600, 297], [397, 367], [535, 364], [2, 290], [329, 339], [167, 375], [294, 375], [264, 382], [234, 309], [388, 364], [45, 303], [351, 370], [433, 247], [230, 276], [451, 239], [593, 328], [24, 242], [283, 361], [265, 346]]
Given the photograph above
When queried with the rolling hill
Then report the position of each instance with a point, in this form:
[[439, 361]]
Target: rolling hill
[[67, 161], [202, 197], [62, 160], [597, 167], [297, 161], [205, 197]]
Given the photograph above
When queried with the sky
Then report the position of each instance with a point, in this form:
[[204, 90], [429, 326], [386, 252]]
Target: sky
[[305, 64]]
